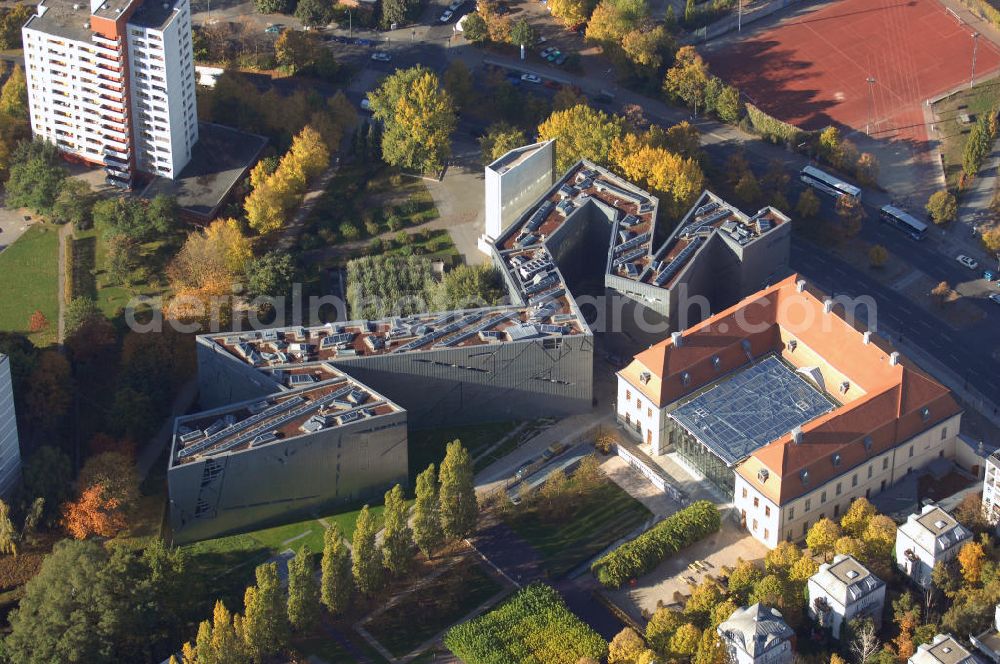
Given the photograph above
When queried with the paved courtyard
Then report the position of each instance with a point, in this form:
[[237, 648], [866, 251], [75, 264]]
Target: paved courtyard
[[673, 578]]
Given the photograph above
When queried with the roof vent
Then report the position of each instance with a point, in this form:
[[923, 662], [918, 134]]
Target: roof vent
[[894, 359], [804, 476], [946, 649], [925, 414], [763, 474], [836, 460], [686, 378], [868, 443], [867, 338], [800, 285], [76, 7], [644, 377], [852, 574], [797, 435], [677, 338], [716, 362], [939, 524], [844, 386], [827, 305], [792, 345]]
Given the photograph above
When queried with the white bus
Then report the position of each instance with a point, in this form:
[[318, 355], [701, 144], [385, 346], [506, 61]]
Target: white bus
[[904, 221], [828, 184]]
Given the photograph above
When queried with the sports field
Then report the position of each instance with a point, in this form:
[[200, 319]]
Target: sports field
[[812, 69]]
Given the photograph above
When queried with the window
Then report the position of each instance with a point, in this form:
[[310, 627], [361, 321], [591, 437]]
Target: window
[[628, 395], [744, 492], [854, 480], [910, 454], [869, 471], [649, 412], [791, 513], [767, 534], [756, 501], [755, 524], [822, 498], [805, 528], [838, 488], [836, 511], [944, 433], [638, 403], [808, 505], [767, 510], [885, 463]]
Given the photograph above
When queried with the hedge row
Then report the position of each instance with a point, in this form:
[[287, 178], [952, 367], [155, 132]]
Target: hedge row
[[772, 128], [68, 270], [639, 556], [532, 627]]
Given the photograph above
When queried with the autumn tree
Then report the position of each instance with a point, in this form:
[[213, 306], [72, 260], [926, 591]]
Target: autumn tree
[[748, 189], [419, 117], [822, 537], [474, 27], [856, 518], [685, 640], [457, 493], [571, 12], [336, 582], [626, 647], [367, 564], [851, 214], [781, 558], [687, 79], [499, 139], [8, 534], [970, 560], [942, 207], [877, 255], [677, 179], [95, 512], [867, 169], [661, 627], [829, 144], [265, 622], [37, 321], [808, 205], [581, 132], [427, 530], [942, 293]]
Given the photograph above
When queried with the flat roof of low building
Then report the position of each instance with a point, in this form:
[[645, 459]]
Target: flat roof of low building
[[943, 650], [323, 398], [750, 407], [219, 160], [154, 14]]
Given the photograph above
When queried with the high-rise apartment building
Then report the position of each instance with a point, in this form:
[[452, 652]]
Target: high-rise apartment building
[[112, 84]]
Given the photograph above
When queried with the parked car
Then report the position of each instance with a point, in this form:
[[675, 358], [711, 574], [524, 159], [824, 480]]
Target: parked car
[[274, 29], [544, 53], [553, 55], [456, 4], [524, 469], [968, 261], [554, 450], [531, 78], [446, 16], [366, 105], [995, 297], [380, 56], [561, 59]]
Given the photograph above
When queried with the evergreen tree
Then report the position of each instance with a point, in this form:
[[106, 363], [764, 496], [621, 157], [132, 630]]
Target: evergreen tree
[[336, 584], [265, 626], [427, 513], [457, 495], [367, 563], [303, 591], [397, 537]]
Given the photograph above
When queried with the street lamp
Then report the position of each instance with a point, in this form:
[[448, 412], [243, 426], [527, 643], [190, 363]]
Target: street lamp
[[975, 47], [739, 17], [871, 104]]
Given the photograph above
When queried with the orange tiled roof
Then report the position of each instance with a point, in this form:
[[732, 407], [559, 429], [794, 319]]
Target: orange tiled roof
[[884, 400]]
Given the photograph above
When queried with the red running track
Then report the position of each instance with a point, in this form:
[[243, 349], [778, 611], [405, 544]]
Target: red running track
[[812, 70]]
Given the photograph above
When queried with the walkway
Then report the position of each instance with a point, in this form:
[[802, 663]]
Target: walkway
[[65, 235], [290, 233]]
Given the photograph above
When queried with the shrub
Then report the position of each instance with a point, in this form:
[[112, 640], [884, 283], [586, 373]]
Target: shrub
[[773, 129], [641, 555]]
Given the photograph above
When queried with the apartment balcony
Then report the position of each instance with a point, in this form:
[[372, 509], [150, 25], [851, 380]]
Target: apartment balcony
[[114, 162], [104, 41]]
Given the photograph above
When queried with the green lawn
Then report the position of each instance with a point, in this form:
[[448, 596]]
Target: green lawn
[[595, 520], [974, 102], [510, 444], [433, 608], [428, 446], [93, 281], [29, 272]]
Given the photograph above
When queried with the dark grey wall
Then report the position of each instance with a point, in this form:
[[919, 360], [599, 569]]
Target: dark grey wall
[[293, 478]]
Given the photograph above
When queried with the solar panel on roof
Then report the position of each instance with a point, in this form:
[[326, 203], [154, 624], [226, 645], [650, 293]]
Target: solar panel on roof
[[269, 335], [374, 343], [263, 439], [527, 240], [301, 379], [437, 334], [630, 220], [565, 207], [706, 208], [538, 216], [632, 270], [634, 242], [522, 331], [490, 335], [604, 185], [539, 285], [566, 191], [545, 297], [678, 262], [630, 256], [485, 325], [553, 329], [764, 225], [346, 418], [346, 352], [190, 436]]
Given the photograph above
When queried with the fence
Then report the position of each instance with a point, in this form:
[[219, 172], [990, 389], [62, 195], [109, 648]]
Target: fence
[[733, 21]]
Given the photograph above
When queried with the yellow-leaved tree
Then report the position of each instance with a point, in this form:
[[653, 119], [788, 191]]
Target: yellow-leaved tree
[[581, 132], [207, 266]]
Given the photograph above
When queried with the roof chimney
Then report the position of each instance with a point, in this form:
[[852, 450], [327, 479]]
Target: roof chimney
[[797, 435], [827, 305], [677, 338], [894, 359], [867, 339], [800, 285]]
